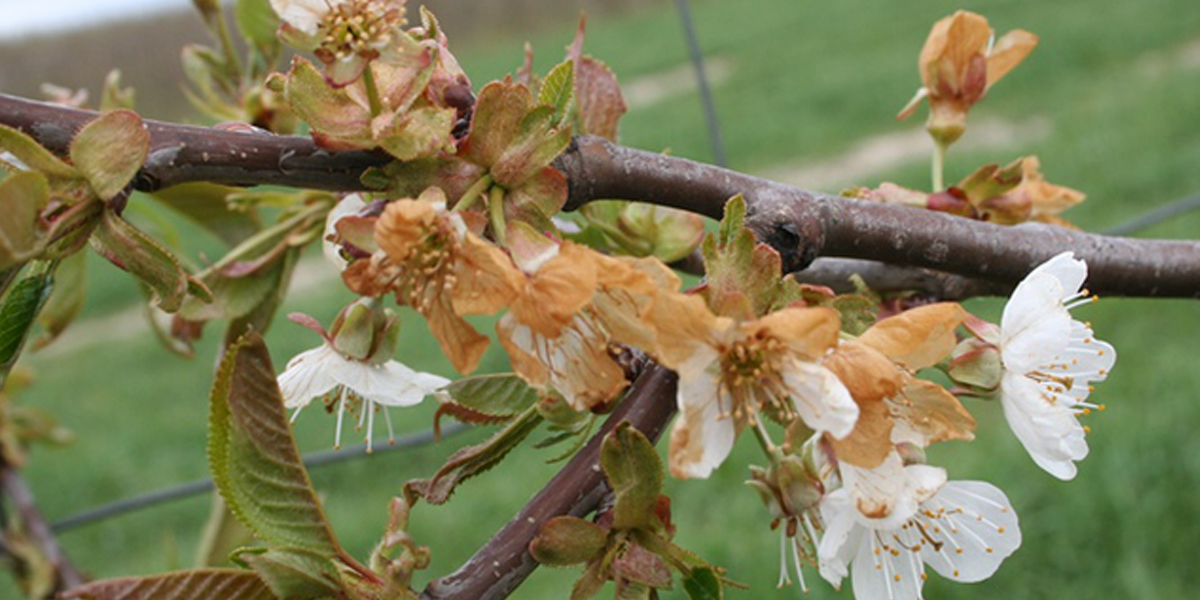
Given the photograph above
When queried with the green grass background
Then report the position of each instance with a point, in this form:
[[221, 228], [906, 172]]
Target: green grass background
[[1119, 84]]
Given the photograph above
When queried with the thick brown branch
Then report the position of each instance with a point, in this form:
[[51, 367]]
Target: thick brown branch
[[14, 487], [838, 273], [504, 561], [801, 225]]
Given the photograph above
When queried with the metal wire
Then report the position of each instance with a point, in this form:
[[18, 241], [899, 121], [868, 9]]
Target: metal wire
[[178, 492], [710, 110], [1154, 217]]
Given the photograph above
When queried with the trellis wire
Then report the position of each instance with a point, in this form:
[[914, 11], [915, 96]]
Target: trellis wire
[[178, 492], [710, 110], [1163, 213]]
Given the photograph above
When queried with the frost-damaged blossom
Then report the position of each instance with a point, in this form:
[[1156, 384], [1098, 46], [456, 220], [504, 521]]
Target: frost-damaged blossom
[[894, 406], [436, 264], [353, 370], [962, 529], [1050, 361], [574, 305], [344, 34], [959, 62], [731, 371]]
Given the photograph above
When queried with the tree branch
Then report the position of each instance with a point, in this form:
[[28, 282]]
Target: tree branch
[[13, 486], [801, 225], [503, 563]]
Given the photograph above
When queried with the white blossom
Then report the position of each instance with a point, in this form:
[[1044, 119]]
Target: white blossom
[[1050, 361], [354, 386]]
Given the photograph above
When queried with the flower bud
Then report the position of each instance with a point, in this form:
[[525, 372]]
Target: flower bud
[[366, 332], [976, 364]]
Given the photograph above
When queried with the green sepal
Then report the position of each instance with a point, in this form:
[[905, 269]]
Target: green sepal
[[702, 583], [23, 195], [565, 541], [144, 258], [635, 474], [110, 150]]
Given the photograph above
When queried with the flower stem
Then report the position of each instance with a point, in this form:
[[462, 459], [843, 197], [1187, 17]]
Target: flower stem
[[473, 193], [227, 47], [368, 77], [939, 159], [764, 439], [496, 211]]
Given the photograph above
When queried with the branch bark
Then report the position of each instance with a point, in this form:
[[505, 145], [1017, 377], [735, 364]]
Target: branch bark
[[802, 225], [503, 563]]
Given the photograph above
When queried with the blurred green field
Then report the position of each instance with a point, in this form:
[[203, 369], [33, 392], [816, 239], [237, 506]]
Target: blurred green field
[[1115, 87]]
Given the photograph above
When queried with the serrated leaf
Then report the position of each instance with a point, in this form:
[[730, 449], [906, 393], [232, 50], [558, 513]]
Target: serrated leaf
[[635, 475], [295, 573], [565, 541], [257, 22], [745, 277], [22, 197], [253, 457], [35, 156], [144, 258], [110, 149], [473, 460], [494, 394], [558, 88], [598, 99], [204, 203], [199, 584], [66, 300], [17, 316], [703, 584]]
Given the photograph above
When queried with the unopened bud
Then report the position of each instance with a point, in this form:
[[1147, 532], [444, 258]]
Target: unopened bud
[[365, 331]]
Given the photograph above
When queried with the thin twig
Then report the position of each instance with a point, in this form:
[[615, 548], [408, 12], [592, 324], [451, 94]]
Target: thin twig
[[503, 563], [14, 486]]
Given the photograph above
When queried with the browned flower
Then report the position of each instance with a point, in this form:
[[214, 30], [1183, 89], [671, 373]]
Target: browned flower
[[444, 271], [958, 64]]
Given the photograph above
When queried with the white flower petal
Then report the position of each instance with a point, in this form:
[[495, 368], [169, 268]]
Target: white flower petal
[[843, 534], [878, 574], [309, 375], [978, 529], [304, 15], [1035, 326], [1068, 270], [887, 495], [821, 399], [350, 205], [1049, 431], [704, 434]]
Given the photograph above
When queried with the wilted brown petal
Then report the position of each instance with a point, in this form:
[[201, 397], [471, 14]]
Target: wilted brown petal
[[917, 338]]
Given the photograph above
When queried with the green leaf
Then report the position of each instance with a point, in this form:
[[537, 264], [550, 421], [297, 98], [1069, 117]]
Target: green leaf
[[204, 203], [254, 459], [22, 197], [67, 298], [558, 89], [110, 149], [199, 584], [420, 132], [635, 475], [472, 460], [144, 258], [496, 394], [328, 110], [565, 541], [35, 156], [257, 22], [295, 573], [703, 584], [744, 277], [17, 315]]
